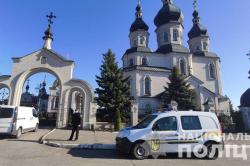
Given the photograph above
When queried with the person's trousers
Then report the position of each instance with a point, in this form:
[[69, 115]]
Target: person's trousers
[[75, 129]]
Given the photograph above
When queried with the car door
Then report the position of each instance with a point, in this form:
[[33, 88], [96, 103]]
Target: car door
[[165, 135], [29, 119], [191, 132]]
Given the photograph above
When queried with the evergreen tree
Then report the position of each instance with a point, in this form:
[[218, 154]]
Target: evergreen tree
[[179, 90], [113, 91]]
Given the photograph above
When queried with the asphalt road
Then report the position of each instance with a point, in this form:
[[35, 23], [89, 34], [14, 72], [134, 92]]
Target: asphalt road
[[27, 152]]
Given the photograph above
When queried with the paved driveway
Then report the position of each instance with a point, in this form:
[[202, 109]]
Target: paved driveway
[[27, 152]]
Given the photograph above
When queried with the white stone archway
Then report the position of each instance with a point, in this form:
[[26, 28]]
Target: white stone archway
[[48, 61], [89, 107]]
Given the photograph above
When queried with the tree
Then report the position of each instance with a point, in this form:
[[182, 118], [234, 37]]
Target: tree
[[179, 90], [113, 91]]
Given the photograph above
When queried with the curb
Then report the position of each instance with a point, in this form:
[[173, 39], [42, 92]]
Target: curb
[[42, 139], [96, 146], [81, 146]]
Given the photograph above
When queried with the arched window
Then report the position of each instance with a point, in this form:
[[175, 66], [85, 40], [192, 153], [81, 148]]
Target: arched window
[[205, 45], [165, 37], [131, 62], [212, 74], [129, 85], [183, 67], [175, 35], [144, 61], [147, 86], [142, 40]]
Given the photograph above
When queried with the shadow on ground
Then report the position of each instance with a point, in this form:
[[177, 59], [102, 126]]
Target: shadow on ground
[[112, 154], [4, 137], [97, 154]]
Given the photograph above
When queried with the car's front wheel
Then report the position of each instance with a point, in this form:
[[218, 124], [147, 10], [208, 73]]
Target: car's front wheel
[[140, 151], [212, 151], [209, 151]]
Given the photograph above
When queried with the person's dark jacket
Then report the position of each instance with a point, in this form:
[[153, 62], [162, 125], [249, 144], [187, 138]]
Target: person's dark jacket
[[76, 119]]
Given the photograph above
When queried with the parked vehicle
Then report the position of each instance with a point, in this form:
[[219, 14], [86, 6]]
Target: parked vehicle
[[173, 132], [17, 120]]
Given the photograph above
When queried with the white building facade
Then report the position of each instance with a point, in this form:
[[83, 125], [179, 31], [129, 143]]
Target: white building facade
[[149, 70]]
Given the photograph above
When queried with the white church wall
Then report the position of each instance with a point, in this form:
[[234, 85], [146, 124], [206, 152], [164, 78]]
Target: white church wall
[[158, 82], [153, 59], [169, 28], [196, 44], [201, 71]]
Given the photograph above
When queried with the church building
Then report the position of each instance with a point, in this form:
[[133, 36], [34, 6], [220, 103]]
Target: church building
[[149, 69]]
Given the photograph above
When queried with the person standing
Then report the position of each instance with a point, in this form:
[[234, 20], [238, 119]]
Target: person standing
[[76, 121]]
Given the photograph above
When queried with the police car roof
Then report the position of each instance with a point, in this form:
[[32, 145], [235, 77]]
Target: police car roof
[[174, 113]]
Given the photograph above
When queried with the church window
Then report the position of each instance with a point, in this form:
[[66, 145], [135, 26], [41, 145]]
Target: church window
[[142, 40], [212, 74], [144, 61], [175, 35], [131, 62], [147, 86], [204, 46], [183, 67], [165, 37]]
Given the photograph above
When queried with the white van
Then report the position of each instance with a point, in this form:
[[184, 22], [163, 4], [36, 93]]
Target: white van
[[17, 120], [173, 132]]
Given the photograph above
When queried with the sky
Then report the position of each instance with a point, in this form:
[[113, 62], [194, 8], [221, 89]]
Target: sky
[[85, 29]]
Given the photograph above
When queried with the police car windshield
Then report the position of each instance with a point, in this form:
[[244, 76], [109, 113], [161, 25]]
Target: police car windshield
[[145, 122]]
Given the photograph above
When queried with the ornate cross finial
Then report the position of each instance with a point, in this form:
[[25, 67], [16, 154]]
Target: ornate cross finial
[[50, 17], [195, 4], [138, 13]]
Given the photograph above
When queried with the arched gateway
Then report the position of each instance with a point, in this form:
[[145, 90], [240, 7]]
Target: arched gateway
[[46, 60]]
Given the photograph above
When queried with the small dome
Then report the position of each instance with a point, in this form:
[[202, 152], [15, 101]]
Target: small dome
[[139, 24], [245, 99], [168, 13], [197, 29]]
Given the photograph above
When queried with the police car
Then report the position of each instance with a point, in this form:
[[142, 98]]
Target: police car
[[173, 132]]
